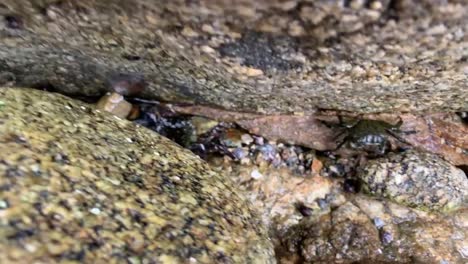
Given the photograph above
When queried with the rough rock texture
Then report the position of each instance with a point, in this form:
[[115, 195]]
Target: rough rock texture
[[313, 220], [262, 56], [416, 179], [81, 185], [363, 230]]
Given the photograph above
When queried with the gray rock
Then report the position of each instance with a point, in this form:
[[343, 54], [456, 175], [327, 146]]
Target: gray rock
[[265, 56], [416, 179]]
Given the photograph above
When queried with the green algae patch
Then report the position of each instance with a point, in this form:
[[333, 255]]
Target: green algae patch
[[81, 185]]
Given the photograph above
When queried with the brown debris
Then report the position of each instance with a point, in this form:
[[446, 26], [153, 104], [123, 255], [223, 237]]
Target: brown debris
[[304, 130], [301, 130], [436, 133]]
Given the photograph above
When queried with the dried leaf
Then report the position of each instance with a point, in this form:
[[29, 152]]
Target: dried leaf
[[438, 133], [300, 130]]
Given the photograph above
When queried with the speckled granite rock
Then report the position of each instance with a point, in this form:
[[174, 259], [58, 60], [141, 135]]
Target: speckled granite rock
[[417, 179], [263, 56], [80, 185], [313, 220], [364, 230]]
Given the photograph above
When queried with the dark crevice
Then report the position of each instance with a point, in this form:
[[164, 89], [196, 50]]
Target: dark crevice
[[14, 21], [464, 168]]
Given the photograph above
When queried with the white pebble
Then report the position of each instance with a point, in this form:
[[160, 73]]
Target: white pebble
[[247, 139], [256, 174], [95, 211]]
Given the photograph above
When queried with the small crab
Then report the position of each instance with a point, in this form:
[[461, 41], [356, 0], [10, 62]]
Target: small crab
[[372, 136]]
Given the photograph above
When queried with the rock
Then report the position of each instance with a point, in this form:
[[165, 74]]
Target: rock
[[79, 185], [364, 230], [252, 72], [247, 139], [316, 166], [115, 103], [239, 153], [314, 220], [416, 179], [277, 192], [380, 56]]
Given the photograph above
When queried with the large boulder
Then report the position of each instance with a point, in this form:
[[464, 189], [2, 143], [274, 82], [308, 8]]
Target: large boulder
[[81, 185], [258, 56]]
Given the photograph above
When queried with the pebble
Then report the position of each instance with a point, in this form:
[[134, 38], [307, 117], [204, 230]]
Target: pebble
[[207, 49], [95, 211], [255, 174], [316, 166], [357, 4], [268, 152], [3, 204], [376, 5], [437, 30], [247, 139], [259, 140], [189, 32], [379, 223], [252, 72], [238, 153], [114, 103]]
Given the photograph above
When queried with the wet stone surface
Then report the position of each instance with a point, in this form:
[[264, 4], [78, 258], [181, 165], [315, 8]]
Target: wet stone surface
[[80, 185]]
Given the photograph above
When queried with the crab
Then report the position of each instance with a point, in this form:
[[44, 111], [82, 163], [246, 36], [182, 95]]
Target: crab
[[375, 137]]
